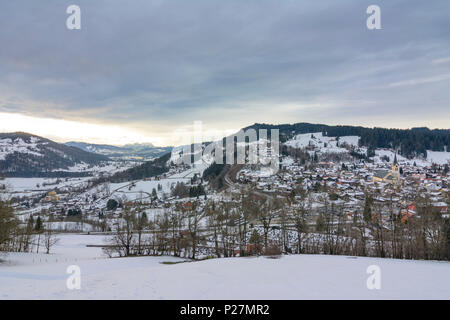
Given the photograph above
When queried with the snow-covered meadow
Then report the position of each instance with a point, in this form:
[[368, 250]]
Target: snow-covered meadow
[[41, 276], [438, 157], [40, 184], [324, 143]]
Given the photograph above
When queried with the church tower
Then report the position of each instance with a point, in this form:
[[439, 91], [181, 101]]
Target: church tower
[[396, 169]]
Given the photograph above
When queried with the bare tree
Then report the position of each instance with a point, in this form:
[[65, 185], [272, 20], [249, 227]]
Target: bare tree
[[123, 240], [266, 215], [50, 239], [194, 216], [140, 223], [300, 222]]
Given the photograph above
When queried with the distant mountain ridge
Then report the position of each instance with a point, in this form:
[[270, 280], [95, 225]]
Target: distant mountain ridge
[[26, 155], [146, 151]]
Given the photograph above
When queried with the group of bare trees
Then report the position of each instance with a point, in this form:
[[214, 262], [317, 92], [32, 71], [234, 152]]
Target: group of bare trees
[[175, 231], [31, 236], [214, 228], [378, 229], [254, 224]]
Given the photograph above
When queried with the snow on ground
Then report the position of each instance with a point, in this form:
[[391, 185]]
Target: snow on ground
[[144, 188], [350, 140], [197, 169], [28, 276], [334, 145], [8, 146], [324, 143], [304, 140], [40, 184], [182, 153], [110, 167], [379, 153], [20, 187], [70, 248], [438, 157], [287, 161]]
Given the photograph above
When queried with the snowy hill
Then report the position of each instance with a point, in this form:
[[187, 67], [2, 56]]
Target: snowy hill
[[317, 141], [195, 152], [438, 157], [26, 155], [41, 276], [413, 142]]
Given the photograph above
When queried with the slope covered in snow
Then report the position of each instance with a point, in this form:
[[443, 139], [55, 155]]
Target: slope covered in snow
[[10, 146], [40, 276], [322, 143], [325, 144], [26, 155], [438, 157]]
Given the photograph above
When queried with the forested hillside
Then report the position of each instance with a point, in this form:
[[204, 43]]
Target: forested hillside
[[409, 142], [26, 155], [145, 170]]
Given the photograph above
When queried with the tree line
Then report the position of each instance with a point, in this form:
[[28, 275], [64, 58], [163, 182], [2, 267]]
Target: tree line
[[254, 224], [32, 236], [257, 225]]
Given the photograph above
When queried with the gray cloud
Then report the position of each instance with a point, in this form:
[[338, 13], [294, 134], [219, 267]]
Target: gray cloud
[[166, 63]]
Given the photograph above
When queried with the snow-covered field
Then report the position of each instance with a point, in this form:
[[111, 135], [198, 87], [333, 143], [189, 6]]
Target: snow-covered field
[[21, 187], [324, 143], [144, 188], [40, 276], [438, 157], [40, 184]]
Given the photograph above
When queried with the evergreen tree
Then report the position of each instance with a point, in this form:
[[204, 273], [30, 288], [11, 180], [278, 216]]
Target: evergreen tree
[[38, 225], [111, 204], [320, 223], [367, 214]]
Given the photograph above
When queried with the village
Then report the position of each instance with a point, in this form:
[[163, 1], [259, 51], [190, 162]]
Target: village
[[313, 198]]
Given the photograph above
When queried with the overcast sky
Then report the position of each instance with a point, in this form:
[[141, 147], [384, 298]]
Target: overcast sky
[[139, 70]]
